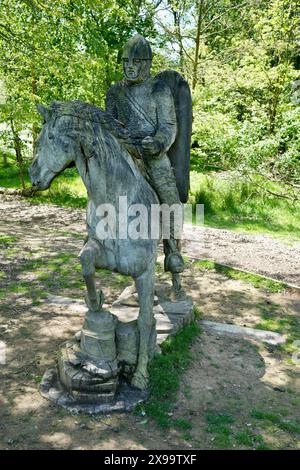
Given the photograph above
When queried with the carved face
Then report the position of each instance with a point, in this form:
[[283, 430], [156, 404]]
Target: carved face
[[136, 70], [137, 59]]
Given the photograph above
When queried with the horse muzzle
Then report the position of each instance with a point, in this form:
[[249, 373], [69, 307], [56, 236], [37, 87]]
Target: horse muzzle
[[35, 177]]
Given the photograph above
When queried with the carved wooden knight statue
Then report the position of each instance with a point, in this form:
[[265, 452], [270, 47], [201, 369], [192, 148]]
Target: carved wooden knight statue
[[146, 106], [138, 147]]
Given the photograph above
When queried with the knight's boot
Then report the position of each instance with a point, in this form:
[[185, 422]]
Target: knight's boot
[[173, 259]]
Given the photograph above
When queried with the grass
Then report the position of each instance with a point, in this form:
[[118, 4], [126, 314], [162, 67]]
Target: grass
[[218, 425], [7, 240], [279, 325], [221, 426], [165, 372], [248, 438], [66, 190], [285, 425], [233, 204], [255, 280], [273, 318], [182, 424]]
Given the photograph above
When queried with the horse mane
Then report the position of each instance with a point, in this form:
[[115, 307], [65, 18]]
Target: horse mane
[[89, 112], [85, 112]]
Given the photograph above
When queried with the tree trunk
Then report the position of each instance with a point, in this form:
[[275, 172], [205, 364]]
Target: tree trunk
[[5, 162], [18, 151], [34, 93], [198, 37], [176, 16]]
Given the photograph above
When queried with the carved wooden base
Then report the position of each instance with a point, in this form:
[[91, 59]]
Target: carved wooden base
[[94, 370], [82, 384], [125, 399]]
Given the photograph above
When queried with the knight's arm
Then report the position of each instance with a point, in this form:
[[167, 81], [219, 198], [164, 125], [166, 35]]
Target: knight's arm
[[166, 116], [110, 103]]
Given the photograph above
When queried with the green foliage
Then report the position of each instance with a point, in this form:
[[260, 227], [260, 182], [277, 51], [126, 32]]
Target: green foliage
[[60, 50], [241, 59], [218, 419], [230, 201], [246, 110]]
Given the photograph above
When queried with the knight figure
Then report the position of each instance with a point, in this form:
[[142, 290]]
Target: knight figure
[[157, 113]]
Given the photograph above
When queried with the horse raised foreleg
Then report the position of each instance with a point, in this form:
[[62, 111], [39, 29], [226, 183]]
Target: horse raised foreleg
[[88, 256], [146, 326]]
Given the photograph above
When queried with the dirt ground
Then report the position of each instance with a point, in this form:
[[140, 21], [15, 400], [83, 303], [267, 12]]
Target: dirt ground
[[236, 393], [257, 253]]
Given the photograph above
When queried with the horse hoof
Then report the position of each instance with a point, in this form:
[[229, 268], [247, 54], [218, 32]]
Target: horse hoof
[[95, 304], [77, 336], [139, 381]]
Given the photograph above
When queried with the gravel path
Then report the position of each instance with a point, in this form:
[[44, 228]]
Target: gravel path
[[256, 253], [259, 254]]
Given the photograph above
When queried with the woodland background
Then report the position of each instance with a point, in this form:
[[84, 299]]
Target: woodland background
[[242, 60]]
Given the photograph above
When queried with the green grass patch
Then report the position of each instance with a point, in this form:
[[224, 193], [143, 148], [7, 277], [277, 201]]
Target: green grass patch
[[218, 419], [165, 372], [182, 424], [7, 240], [286, 425], [278, 325], [249, 439], [275, 319], [187, 436], [9, 175], [237, 205], [222, 441], [218, 425], [255, 280]]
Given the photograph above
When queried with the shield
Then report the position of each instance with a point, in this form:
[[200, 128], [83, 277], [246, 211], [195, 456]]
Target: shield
[[179, 152]]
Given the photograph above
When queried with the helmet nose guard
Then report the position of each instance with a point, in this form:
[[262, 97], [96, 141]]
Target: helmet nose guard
[[137, 47]]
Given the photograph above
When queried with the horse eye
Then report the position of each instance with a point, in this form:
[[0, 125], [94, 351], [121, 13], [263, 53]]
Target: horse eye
[[65, 145]]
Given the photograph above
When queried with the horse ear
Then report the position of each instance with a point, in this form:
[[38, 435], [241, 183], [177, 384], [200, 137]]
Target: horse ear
[[44, 112]]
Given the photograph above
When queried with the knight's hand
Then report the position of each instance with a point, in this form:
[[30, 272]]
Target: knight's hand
[[123, 134], [151, 146]]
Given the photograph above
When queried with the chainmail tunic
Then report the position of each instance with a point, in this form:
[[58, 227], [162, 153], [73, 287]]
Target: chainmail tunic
[[147, 109]]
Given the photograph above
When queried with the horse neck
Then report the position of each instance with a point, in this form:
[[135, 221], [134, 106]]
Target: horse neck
[[107, 170]]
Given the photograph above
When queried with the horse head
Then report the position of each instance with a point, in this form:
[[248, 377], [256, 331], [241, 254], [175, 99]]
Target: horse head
[[54, 149]]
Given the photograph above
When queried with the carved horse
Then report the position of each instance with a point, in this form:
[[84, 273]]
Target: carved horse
[[92, 139]]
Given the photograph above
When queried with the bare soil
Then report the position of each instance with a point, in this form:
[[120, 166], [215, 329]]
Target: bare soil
[[229, 379], [257, 253]]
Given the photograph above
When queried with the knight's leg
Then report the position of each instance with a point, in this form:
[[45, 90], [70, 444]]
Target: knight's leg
[[163, 181], [146, 326], [88, 256]]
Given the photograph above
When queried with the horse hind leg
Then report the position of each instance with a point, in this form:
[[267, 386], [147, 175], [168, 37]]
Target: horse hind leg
[[146, 326], [177, 292], [88, 256]]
